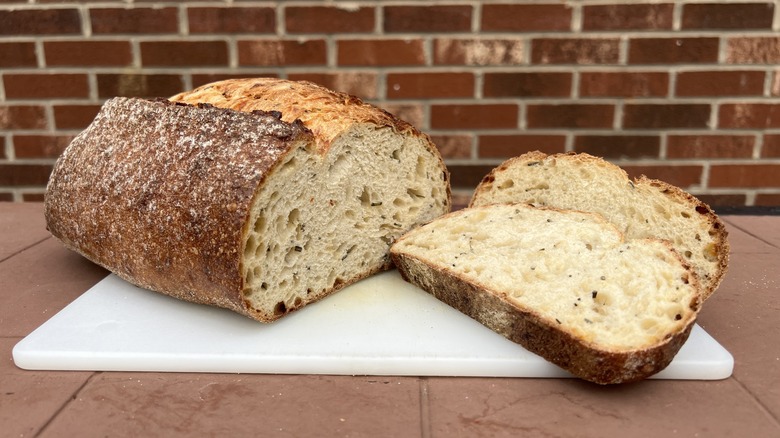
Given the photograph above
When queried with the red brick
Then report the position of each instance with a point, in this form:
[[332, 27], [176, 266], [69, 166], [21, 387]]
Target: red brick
[[619, 146], [767, 199], [429, 85], [439, 18], [643, 16], [680, 176], [6, 197], [2, 148], [360, 84], [654, 116], [282, 52], [32, 197], [745, 175], [13, 174], [381, 52], [482, 51], [40, 146], [40, 22], [45, 86], [199, 79], [749, 115], [575, 51], [87, 53], [624, 84], [722, 200], [184, 53], [753, 50], [141, 20], [474, 116], [771, 146], [686, 50], [328, 19], [710, 146], [467, 176], [74, 116], [411, 113], [570, 116], [231, 20], [727, 16], [512, 145], [22, 117], [720, 83], [526, 18], [453, 146], [531, 84], [17, 55], [138, 85]]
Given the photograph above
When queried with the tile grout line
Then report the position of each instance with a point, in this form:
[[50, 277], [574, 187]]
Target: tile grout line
[[24, 249], [745, 230], [425, 411], [761, 406], [73, 396]]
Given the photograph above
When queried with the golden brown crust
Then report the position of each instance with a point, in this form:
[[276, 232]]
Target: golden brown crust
[[715, 227], [328, 114], [533, 332], [159, 193]]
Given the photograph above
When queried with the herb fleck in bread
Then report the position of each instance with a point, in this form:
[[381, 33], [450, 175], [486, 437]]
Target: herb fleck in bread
[[243, 210], [563, 284], [640, 208]]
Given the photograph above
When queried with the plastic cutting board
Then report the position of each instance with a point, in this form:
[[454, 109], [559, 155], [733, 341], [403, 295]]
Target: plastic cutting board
[[379, 326]]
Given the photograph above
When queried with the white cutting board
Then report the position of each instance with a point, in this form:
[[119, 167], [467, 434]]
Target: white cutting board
[[379, 326]]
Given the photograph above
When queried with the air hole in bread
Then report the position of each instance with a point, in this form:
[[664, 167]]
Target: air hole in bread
[[685, 214], [505, 184], [280, 308]]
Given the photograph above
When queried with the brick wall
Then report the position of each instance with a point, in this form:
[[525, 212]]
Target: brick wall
[[685, 91]]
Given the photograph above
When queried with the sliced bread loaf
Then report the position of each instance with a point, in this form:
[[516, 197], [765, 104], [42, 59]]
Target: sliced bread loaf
[[640, 208], [241, 209], [563, 284]]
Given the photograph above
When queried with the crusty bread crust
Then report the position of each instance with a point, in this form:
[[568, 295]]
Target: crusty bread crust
[[711, 225], [158, 193], [325, 112]]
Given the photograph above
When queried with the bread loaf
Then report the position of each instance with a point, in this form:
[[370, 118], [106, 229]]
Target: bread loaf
[[244, 210], [563, 284], [640, 208]]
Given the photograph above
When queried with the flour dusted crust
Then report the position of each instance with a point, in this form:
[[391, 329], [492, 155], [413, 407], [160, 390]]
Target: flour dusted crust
[[260, 196], [325, 112], [158, 193]]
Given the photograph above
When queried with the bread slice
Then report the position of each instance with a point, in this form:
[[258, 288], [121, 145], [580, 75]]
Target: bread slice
[[243, 210], [563, 284], [640, 208]]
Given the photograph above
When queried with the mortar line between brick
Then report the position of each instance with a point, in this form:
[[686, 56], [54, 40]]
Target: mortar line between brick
[[70, 400]]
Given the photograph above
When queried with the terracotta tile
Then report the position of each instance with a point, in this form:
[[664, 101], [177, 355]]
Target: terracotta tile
[[573, 408], [21, 226], [763, 227], [742, 316], [744, 238], [154, 404], [38, 282], [28, 399]]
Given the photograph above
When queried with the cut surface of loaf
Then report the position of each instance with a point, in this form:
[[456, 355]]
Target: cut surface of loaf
[[563, 284], [236, 209], [642, 208]]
